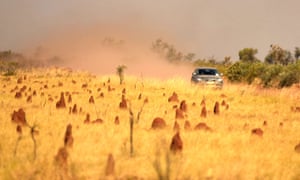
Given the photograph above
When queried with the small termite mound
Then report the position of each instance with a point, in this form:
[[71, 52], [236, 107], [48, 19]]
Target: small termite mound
[[295, 109], [265, 123], [123, 103], [297, 148], [97, 121], [146, 100], [203, 102], [61, 159], [176, 144], [173, 98], [124, 91], [187, 125], [101, 95], [217, 108], [109, 88], [70, 98], [176, 126], [74, 109], [34, 93], [91, 100], [87, 119], [19, 81], [227, 106], [19, 130], [158, 123], [117, 120], [223, 96], [29, 99], [18, 95], [61, 103], [110, 166], [203, 112], [84, 85], [23, 88], [183, 106], [140, 96], [68, 139], [19, 117], [223, 103], [179, 114], [257, 132], [203, 126]]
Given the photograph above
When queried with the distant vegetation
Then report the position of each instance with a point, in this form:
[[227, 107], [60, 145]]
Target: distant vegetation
[[280, 68]]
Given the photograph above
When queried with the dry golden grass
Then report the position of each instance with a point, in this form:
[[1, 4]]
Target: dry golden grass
[[228, 151]]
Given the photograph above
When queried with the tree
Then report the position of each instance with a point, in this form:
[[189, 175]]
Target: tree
[[189, 56], [277, 55], [297, 53], [227, 61], [120, 72], [169, 52], [248, 55]]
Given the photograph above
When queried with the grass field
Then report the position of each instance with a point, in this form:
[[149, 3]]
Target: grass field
[[228, 151]]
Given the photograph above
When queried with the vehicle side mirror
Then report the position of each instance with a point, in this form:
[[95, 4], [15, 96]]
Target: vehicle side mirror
[[194, 74]]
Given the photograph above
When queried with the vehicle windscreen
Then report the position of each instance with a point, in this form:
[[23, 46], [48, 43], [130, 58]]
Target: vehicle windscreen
[[207, 72]]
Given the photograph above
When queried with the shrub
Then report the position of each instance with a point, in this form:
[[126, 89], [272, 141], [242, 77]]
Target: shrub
[[8, 68], [289, 76], [238, 72], [269, 77]]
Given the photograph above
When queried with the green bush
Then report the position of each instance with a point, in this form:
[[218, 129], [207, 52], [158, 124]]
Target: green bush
[[8, 68], [270, 76], [289, 76], [244, 71], [234, 73], [254, 71]]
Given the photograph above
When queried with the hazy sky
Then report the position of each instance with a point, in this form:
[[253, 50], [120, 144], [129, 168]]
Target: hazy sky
[[206, 27]]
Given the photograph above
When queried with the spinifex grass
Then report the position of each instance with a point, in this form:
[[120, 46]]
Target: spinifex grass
[[229, 151]]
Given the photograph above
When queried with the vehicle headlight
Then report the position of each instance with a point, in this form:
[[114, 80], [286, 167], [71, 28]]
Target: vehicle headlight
[[220, 80]]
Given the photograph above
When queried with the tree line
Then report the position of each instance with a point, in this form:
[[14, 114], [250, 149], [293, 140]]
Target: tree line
[[280, 67]]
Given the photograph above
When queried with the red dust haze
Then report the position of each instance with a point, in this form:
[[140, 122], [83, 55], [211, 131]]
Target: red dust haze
[[102, 51]]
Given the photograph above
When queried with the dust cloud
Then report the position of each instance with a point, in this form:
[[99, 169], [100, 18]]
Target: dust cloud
[[100, 51]]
